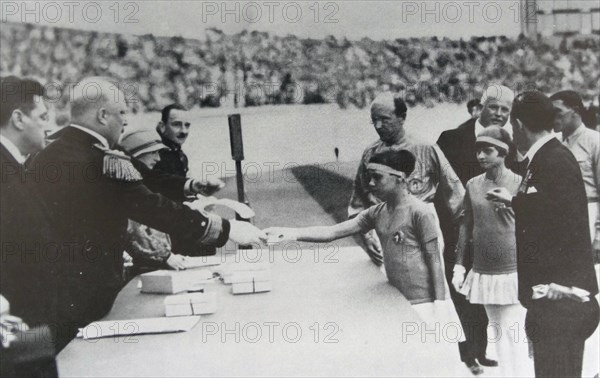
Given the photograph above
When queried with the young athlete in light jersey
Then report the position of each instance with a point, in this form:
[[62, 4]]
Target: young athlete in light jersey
[[408, 230]]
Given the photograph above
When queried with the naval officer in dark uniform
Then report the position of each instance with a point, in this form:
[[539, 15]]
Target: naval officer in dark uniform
[[173, 129], [90, 191]]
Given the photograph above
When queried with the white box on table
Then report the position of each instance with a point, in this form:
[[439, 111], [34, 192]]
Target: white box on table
[[172, 282], [246, 282], [243, 288], [163, 282], [262, 286]]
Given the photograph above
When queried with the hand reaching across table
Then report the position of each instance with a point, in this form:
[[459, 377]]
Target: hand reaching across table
[[246, 233]]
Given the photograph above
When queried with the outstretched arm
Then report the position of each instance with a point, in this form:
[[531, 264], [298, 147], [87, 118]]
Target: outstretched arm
[[314, 234]]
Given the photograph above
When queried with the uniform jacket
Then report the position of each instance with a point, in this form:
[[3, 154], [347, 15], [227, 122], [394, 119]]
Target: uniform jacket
[[172, 160], [89, 205], [174, 163], [168, 184]]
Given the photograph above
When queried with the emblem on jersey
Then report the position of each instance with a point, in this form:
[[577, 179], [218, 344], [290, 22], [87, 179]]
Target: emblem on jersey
[[415, 186], [415, 181], [398, 237]]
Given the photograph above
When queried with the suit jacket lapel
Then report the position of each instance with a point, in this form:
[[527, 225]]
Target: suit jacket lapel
[[470, 133], [535, 163]]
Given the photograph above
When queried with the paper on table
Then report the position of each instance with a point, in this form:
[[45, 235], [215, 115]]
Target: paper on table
[[243, 210], [111, 328]]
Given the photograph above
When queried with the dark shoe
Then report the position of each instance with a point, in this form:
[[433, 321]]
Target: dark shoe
[[474, 367], [487, 362]]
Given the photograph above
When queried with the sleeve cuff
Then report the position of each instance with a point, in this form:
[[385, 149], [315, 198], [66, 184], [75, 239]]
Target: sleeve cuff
[[187, 189], [213, 229], [224, 236]]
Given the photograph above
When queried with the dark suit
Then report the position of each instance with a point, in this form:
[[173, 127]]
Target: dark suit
[[459, 147], [554, 246], [28, 272], [90, 208], [27, 276]]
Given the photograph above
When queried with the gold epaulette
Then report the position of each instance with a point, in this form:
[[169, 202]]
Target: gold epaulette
[[116, 165]]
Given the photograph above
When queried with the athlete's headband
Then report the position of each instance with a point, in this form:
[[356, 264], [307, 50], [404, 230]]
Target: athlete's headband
[[385, 169]]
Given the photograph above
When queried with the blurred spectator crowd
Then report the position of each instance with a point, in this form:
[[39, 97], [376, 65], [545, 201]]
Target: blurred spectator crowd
[[256, 68]]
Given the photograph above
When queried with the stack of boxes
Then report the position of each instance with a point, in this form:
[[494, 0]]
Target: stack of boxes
[[248, 278], [171, 282], [245, 278]]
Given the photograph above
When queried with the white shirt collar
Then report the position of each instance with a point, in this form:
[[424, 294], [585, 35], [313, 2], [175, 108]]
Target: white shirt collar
[[13, 150], [92, 133], [537, 145], [479, 128]]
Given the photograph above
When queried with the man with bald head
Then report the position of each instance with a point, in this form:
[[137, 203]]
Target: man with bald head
[[459, 144], [432, 171], [90, 196], [459, 147]]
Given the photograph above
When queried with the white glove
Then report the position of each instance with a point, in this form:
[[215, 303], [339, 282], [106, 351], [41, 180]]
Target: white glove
[[245, 233], [458, 278]]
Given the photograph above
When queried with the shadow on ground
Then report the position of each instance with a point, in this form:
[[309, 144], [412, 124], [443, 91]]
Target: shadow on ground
[[330, 189], [306, 195]]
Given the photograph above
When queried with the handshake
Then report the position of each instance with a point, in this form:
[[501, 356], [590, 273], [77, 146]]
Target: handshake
[[242, 232], [246, 233]]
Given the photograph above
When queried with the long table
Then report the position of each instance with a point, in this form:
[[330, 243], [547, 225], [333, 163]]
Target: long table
[[330, 313]]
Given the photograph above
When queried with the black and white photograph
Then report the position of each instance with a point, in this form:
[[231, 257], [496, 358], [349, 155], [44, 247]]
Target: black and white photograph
[[350, 188]]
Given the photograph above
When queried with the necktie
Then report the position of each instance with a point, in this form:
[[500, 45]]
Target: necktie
[[526, 176]]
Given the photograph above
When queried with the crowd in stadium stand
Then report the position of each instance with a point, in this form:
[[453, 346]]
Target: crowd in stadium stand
[[255, 68]]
